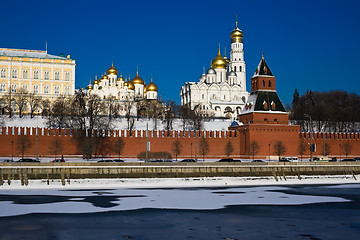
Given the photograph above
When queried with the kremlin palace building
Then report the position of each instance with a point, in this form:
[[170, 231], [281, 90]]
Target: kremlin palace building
[[36, 72], [221, 91]]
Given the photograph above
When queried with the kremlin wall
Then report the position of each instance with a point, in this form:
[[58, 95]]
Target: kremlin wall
[[160, 141]]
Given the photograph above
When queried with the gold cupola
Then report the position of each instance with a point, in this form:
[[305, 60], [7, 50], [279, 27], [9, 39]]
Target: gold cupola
[[151, 87], [219, 61], [137, 79], [236, 35], [96, 82], [120, 79], [131, 86], [90, 87], [105, 77], [112, 70]]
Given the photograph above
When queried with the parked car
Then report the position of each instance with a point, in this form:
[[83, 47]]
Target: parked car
[[291, 159], [357, 159], [333, 159], [188, 160], [28, 160], [284, 160], [159, 160], [226, 160], [58, 160], [107, 160], [257, 160], [348, 160], [118, 160], [8, 160]]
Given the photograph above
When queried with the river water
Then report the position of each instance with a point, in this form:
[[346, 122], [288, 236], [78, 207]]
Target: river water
[[253, 212]]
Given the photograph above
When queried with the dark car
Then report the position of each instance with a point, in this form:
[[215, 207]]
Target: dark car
[[8, 161], [103, 161], [226, 160], [348, 160], [188, 160], [118, 160], [357, 159], [333, 159], [284, 160], [58, 160], [28, 160], [257, 160]]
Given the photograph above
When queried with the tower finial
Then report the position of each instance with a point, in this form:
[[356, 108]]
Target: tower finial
[[112, 62], [204, 69], [46, 46], [137, 70], [236, 21], [219, 50], [225, 52], [262, 57]]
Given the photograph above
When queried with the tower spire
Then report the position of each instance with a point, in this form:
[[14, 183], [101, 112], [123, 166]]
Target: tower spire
[[236, 21]]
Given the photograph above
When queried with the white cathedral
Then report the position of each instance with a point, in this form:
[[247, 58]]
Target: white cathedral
[[110, 86], [221, 92]]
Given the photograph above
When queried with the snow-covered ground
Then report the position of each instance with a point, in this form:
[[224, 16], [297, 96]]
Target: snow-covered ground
[[120, 123], [180, 182]]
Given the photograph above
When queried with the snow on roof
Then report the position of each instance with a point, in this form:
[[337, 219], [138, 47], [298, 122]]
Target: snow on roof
[[27, 53]]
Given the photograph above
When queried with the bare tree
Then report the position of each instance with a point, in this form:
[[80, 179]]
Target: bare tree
[[128, 107], [279, 148], [347, 148], [254, 148], [169, 114], [302, 148], [119, 146], [59, 113], [56, 146], [177, 148], [203, 147], [34, 103], [89, 123], [229, 148], [23, 144], [20, 100], [9, 102]]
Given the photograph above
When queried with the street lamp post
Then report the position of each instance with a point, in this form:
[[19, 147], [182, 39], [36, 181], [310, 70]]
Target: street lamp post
[[191, 150], [12, 150], [269, 151]]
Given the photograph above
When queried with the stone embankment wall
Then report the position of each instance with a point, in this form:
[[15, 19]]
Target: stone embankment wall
[[69, 171]]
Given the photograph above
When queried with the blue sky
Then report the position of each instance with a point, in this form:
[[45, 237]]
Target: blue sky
[[307, 44]]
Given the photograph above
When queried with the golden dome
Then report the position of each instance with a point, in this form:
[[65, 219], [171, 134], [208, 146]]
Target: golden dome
[[89, 87], [105, 77], [131, 86], [120, 79], [96, 82], [219, 61], [151, 87], [112, 70], [137, 79], [236, 35]]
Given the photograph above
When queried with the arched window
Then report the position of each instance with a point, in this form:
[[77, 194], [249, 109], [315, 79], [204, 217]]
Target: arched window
[[57, 76], [46, 75], [24, 88], [67, 76], [14, 73], [269, 83], [36, 89], [46, 89], [234, 68], [240, 69], [25, 74], [57, 90], [13, 88], [36, 74], [3, 73], [3, 87]]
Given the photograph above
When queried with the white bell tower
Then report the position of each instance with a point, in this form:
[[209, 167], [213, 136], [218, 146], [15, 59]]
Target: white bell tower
[[237, 62]]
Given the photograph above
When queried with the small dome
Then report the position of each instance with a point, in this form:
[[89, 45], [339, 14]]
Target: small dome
[[137, 79], [112, 70], [202, 77], [219, 61], [96, 82], [232, 73], [120, 79], [151, 87], [101, 78], [227, 60], [131, 86], [105, 77], [211, 71], [236, 35], [89, 87]]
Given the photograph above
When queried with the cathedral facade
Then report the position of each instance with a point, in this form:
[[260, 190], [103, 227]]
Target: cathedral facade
[[221, 91]]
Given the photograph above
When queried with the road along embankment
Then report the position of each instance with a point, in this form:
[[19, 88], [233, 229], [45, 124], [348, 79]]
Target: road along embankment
[[68, 171]]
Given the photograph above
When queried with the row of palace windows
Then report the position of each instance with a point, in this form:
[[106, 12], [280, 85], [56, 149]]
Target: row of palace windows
[[24, 89], [240, 68], [14, 74]]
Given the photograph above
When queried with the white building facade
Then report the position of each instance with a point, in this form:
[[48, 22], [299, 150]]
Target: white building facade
[[221, 91]]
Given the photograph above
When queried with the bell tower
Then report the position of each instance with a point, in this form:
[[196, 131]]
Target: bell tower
[[237, 62]]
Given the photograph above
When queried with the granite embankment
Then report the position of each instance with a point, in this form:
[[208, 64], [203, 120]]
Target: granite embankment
[[68, 171]]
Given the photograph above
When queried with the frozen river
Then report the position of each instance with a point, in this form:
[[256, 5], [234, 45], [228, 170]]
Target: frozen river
[[249, 212]]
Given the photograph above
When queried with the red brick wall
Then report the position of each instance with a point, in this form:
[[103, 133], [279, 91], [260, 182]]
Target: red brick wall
[[264, 134]]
